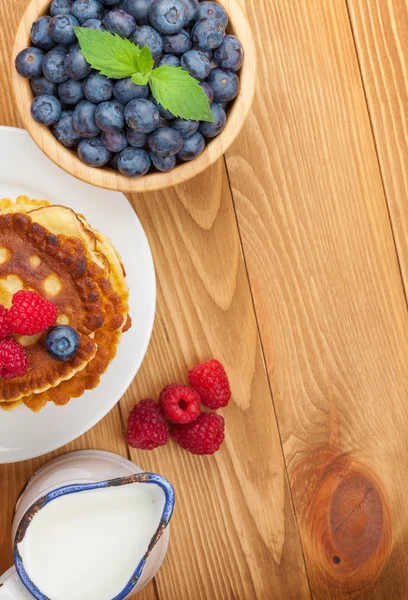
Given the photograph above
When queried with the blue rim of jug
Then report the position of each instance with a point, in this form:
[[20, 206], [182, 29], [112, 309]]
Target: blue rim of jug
[[75, 488]]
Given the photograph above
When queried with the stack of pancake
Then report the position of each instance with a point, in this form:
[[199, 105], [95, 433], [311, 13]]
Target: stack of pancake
[[54, 251]]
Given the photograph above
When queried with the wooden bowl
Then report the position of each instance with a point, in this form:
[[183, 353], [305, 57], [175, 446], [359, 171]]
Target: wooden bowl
[[107, 177]]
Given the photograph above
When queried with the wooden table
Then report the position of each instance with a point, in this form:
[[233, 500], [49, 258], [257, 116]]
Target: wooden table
[[288, 261]]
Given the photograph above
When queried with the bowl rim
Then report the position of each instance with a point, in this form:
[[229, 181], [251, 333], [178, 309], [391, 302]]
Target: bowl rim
[[108, 178]]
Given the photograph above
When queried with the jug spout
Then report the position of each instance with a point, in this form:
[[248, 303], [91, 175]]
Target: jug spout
[[11, 587]]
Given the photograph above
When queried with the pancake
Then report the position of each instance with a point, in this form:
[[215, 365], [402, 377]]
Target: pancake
[[106, 269], [56, 267]]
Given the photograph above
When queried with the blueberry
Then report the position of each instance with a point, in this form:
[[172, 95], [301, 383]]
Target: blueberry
[[70, 91], [114, 161], [136, 139], [209, 53], [60, 7], [109, 117], [224, 83], [193, 8], [115, 141], [211, 130], [93, 153], [165, 114], [46, 109], [64, 131], [213, 9], [62, 343], [163, 163], [125, 90], [139, 9], [208, 91], [168, 16], [133, 162], [87, 9], [95, 24], [64, 49], [208, 34], [111, 2], [97, 88], [165, 141], [29, 62], [178, 43], [184, 127], [40, 85], [192, 147], [54, 66], [146, 35], [168, 60], [196, 63], [76, 65], [83, 120], [61, 29], [230, 55], [39, 34], [120, 22], [142, 115]]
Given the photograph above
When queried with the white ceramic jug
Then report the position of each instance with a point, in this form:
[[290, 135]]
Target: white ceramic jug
[[72, 474]]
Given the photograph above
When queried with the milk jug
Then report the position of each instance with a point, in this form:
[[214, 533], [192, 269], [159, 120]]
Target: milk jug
[[90, 525]]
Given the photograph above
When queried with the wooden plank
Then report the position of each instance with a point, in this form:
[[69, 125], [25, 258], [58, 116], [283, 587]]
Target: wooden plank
[[381, 32], [233, 534], [328, 296]]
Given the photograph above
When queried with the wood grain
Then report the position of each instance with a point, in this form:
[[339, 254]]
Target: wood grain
[[331, 322], [381, 32], [108, 178], [234, 526], [328, 296]]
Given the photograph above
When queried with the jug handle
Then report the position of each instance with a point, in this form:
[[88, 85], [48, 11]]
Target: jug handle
[[11, 587]]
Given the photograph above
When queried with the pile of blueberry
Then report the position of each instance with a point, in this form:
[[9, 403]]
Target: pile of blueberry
[[117, 122]]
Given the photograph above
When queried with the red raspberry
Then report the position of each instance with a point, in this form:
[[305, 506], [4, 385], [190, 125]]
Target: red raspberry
[[203, 436], [13, 359], [210, 381], [180, 403], [5, 329], [31, 313], [147, 426]]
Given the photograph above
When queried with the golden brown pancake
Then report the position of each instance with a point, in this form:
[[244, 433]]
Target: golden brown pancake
[[103, 270], [55, 267]]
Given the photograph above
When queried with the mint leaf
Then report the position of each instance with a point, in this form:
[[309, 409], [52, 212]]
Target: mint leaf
[[140, 79], [107, 53], [145, 61], [181, 94]]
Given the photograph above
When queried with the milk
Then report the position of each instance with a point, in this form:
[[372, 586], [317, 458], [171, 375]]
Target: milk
[[87, 545]]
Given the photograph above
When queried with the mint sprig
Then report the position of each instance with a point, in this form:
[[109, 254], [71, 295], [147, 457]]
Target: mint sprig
[[180, 93], [107, 53], [172, 87]]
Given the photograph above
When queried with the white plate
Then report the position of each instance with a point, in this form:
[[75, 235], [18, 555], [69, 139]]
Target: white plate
[[25, 170]]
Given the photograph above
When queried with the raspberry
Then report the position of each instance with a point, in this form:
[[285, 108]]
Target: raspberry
[[203, 436], [147, 426], [13, 359], [180, 403], [210, 381], [5, 329], [31, 313]]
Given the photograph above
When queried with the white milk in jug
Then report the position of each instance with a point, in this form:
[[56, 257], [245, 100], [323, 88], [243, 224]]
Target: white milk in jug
[[87, 545]]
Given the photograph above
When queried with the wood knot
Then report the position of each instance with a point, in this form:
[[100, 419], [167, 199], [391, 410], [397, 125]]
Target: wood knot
[[344, 519]]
